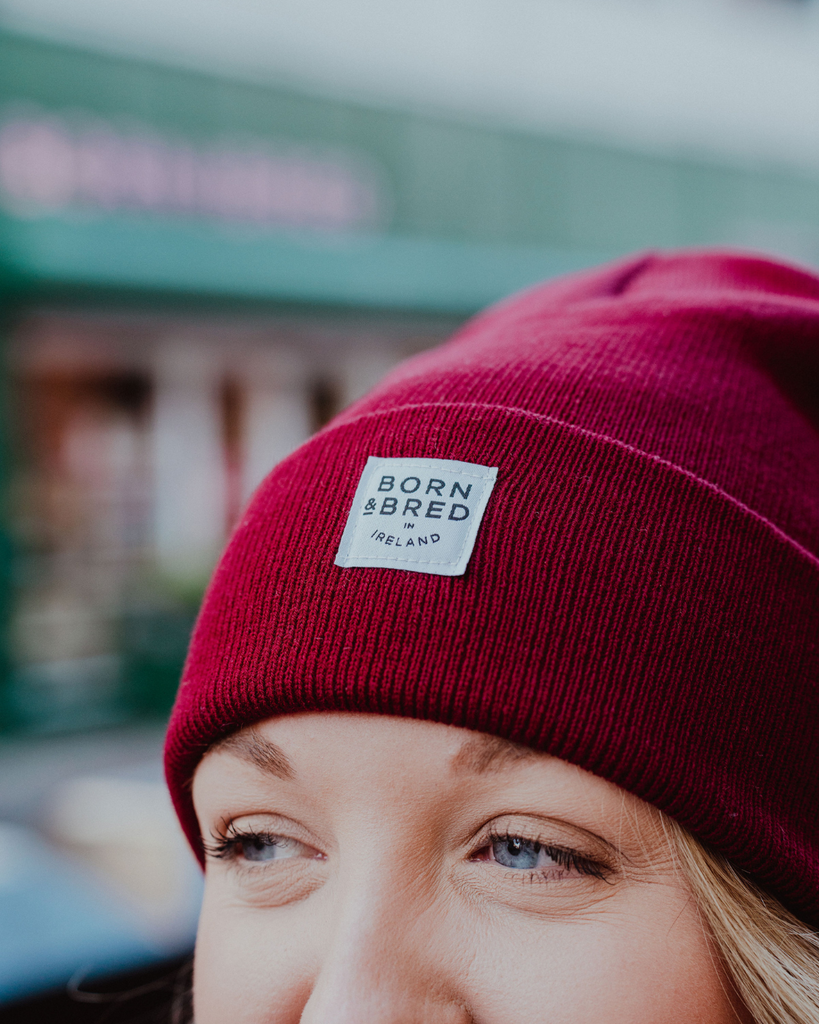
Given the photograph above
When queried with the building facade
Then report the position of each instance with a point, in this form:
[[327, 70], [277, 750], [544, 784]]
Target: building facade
[[196, 273]]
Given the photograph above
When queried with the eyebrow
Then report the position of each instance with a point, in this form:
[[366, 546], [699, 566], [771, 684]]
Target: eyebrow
[[478, 755], [491, 754], [254, 749]]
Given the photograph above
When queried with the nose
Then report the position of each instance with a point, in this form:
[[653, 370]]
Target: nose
[[384, 970]]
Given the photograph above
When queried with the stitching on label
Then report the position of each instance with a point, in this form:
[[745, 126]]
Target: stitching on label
[[415, 561], [431, 465]]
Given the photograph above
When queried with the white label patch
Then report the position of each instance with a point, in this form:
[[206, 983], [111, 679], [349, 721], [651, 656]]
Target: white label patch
[[417, 514]]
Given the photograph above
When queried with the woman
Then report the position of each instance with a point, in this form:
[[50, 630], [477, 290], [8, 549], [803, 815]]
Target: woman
[[503, 703]]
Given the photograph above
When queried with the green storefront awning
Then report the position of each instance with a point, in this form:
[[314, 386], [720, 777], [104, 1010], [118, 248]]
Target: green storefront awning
[[209, 261]]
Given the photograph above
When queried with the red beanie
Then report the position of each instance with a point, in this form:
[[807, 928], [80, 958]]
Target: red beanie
[[637, 592]]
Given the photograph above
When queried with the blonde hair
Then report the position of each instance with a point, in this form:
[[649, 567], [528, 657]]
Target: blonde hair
[[771, 957]]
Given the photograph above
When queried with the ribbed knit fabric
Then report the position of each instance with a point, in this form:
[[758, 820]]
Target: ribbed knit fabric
[[643, 595]]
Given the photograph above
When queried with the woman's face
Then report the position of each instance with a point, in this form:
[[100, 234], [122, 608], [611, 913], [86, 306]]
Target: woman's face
[[372, 870]]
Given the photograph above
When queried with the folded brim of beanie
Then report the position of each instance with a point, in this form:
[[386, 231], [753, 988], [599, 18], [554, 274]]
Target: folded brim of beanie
[[636, 613]]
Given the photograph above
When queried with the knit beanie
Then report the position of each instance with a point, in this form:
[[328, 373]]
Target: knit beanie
[[588, 524]]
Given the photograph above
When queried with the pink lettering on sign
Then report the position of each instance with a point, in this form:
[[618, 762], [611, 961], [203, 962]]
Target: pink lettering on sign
[[47, 163]]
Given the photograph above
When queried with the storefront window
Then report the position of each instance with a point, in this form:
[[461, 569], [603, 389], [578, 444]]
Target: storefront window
[[137, 442]]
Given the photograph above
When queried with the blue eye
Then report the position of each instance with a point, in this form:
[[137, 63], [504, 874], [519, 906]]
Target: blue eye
[[259, 848], [514, 852]]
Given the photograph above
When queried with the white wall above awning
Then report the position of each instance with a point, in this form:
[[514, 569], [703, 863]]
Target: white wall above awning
[[730, 78]]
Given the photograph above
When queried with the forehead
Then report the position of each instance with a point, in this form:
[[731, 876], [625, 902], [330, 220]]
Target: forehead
[[470, 752], [332, 750]]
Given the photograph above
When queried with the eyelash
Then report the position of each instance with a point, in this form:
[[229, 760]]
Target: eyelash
[[227, 846], [570, 860]]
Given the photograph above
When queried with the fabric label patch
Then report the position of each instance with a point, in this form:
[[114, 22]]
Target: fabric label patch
[[417, 514]]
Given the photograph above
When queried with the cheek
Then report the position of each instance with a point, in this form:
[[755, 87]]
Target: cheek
[[617, 967], [252, 966], [645, 961]]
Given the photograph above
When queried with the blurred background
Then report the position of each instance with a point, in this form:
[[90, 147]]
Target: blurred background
[[221, 222]]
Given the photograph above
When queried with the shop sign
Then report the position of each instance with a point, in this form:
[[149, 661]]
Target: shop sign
[[52, 164]]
